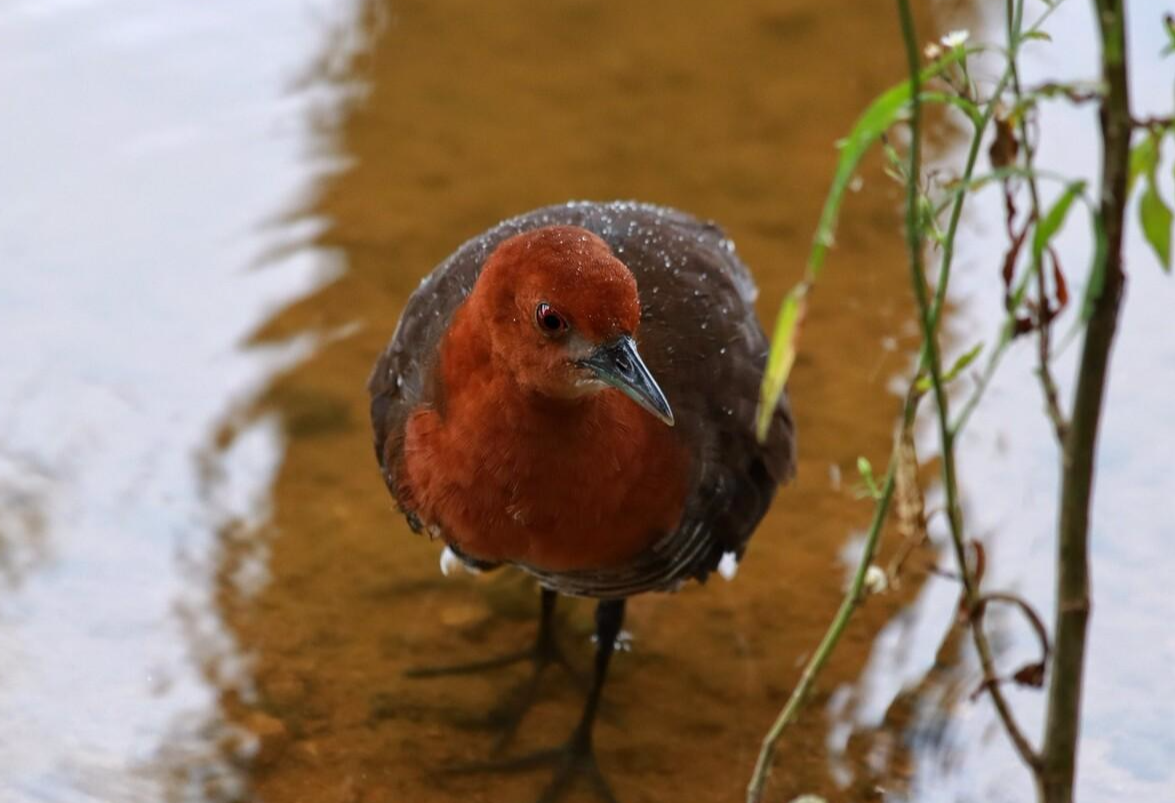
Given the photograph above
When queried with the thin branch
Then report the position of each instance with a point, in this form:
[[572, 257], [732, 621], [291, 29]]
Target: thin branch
[[1044, 312], [1074, 94], [849, 604], [1007, 332], [932, 360], [852, 599], [1063, 723], [1153, 123], [1052, 400], [1031, 674]]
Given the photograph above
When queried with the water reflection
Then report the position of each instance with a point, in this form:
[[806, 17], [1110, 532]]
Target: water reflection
[[204, 591], [26, 486], [146, 142]]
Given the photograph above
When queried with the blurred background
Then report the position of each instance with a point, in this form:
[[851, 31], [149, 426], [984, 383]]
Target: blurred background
[[211, 217]]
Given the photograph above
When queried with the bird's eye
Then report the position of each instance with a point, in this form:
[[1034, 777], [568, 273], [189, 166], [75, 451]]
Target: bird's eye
[[549, 321]]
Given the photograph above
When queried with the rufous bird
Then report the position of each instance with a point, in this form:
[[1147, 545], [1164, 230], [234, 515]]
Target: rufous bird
[[573, 393]]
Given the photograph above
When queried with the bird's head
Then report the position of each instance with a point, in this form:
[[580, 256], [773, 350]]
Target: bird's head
[[561, 313]]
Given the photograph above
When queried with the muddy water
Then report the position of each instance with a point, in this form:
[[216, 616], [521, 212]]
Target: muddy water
[[729, 113], [205, 593]]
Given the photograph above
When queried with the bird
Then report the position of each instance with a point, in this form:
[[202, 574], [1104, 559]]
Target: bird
[[573, 392]]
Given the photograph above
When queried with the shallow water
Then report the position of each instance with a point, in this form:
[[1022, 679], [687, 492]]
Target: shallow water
[[205, 593]]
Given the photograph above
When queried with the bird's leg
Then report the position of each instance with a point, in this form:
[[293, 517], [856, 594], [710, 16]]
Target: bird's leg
[[508, 713], [576, 756]]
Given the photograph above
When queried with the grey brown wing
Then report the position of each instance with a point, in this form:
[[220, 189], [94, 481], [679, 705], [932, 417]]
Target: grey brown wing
[[701, 339]]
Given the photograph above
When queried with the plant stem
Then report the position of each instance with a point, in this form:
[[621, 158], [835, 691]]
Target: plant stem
[[931, 359], [948, 245], [1048, 384], [948, 248], [1062, 726], [848, 605]]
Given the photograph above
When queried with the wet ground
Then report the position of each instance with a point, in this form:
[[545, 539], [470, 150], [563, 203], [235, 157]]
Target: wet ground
[[205, 593]]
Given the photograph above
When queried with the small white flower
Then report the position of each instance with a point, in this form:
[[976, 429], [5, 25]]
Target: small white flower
[[875, 580], [932, 51], [956, 38]]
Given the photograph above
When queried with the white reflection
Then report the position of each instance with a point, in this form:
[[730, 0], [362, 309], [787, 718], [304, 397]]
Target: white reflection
[[145, 146]]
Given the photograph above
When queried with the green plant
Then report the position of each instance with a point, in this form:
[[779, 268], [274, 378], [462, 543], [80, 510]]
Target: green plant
[[1035, 292]]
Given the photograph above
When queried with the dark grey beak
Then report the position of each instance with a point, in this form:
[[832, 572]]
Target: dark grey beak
[[619, 365]]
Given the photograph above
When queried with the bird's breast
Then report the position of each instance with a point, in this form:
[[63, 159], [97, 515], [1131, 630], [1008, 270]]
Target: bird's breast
[[581, 485]]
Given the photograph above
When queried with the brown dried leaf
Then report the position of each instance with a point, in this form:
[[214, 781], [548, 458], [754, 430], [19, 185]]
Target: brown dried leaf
[[1030, 675], [1059, 280], [1008, 273], [1004, 149], [909, 504], [980, 567]]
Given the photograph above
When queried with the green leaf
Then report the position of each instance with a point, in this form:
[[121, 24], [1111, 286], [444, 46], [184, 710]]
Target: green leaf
[[1097, 273], [964, 105], [865, 469], [869, 127], [781, 358], [1144, 159], [1040, 35], [965, 359], [1153, 212], [924, 382], [879, 116], [1156, 221], [1053, 220]]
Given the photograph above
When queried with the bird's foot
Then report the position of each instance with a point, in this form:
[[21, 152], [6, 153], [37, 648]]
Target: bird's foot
[[573, 760], [507, 714]]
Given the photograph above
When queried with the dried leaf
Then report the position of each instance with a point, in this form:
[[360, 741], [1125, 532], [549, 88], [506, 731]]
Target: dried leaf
[[980, 567], [1059, 281], [909, 504], [1004, 149], [1009, 269], [1030, 675]]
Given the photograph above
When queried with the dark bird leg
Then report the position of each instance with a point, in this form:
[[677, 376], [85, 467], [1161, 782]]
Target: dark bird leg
[[510, 710], [576, 756]]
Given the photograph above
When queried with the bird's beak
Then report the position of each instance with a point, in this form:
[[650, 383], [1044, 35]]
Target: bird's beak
[[618, 364]]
